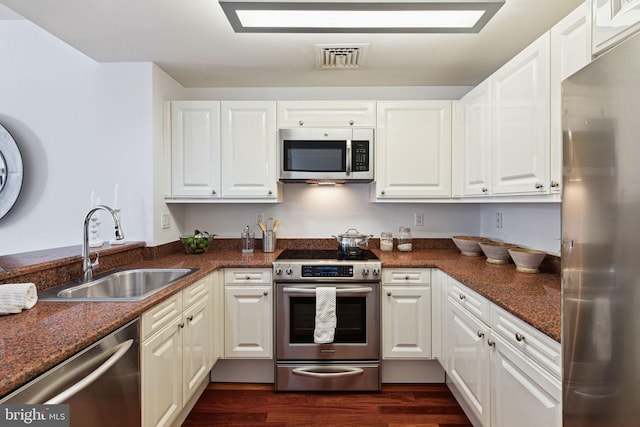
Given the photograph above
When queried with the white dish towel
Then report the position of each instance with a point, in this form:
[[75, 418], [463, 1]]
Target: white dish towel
[[14, 297], [325, 315]]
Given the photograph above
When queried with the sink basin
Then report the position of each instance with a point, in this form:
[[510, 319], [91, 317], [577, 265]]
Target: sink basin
[[122, 285]]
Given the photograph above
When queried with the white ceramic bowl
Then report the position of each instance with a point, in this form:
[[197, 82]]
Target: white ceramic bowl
[[497, 252], [527, 260], [468, 245]]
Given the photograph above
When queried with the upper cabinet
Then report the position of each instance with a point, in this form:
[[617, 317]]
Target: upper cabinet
[[413, 150], [293, 114], [249, 149], [570, 51], [613, 21], [195, 148], [475, 151], [223, 151], [520, 151]]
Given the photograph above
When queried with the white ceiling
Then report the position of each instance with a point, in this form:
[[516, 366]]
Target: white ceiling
[[193, 42]]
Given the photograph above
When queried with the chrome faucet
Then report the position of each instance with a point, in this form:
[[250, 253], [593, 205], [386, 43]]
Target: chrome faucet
[[87, 265]]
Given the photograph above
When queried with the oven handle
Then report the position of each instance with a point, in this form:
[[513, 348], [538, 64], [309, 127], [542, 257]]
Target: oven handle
[[311, 371], [338, 291]]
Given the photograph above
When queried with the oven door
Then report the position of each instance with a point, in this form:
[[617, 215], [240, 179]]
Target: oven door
[[357, 334]]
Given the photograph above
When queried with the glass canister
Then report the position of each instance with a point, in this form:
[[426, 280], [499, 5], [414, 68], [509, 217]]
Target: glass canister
[[405, 240], [386, 241]]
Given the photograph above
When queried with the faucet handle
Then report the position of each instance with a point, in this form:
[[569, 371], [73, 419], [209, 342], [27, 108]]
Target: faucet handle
[[96, 263]]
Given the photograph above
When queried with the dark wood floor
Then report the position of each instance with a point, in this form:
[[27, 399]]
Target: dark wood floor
[[412, 405]]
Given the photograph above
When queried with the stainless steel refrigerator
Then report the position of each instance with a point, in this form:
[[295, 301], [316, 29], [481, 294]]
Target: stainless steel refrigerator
[[601, 241]]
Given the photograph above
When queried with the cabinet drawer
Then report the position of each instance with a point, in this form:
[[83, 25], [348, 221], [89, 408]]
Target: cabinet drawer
[[470, 300], [401, 276], [292, 114], [247, 276], [156, 318], [195, 292], [538, 346]]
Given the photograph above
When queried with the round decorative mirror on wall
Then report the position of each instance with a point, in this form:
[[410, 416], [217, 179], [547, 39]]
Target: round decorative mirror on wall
[[10, 171]]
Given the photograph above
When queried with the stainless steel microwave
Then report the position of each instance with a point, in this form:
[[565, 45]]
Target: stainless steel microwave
[[326, 155]]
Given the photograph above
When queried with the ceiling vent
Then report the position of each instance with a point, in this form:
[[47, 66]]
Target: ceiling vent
[[341, 57]]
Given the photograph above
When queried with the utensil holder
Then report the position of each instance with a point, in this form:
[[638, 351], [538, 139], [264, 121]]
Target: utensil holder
[[268, 241]]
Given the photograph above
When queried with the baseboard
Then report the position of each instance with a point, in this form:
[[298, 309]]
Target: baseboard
[[243, 371], [411, 371]]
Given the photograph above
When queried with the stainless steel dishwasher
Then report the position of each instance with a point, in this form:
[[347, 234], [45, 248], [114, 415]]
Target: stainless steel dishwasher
[[101, 384]]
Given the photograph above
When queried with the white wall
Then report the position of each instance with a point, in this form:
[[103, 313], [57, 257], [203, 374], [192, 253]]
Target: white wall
[[311, 211], [532, 225], [80, 126]]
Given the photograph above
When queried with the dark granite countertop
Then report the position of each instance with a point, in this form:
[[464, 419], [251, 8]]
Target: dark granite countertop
[[38, 339]]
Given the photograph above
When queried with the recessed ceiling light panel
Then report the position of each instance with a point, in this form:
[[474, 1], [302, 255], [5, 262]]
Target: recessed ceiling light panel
[[418, 16]]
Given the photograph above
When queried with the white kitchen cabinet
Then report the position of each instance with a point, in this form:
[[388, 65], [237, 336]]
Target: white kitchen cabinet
[[520, 116], [413, 150], [195, 149], [406, 314], [293, 114], [248, 314], [438, 322], [522, 394], [249, 149], [613, 22], [570, 51], [217, 318], [175, 353], [475, 152], [468, 359], [503, 371]]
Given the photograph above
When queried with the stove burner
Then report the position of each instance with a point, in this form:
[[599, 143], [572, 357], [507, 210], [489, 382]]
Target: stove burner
[[324, 254]]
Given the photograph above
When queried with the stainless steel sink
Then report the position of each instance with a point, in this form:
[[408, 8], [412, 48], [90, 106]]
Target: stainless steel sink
[[121, 285]]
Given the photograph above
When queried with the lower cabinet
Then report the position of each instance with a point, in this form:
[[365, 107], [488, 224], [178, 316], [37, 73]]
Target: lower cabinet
[[175, 352], [406, 314], [248, 314], [503, 371]]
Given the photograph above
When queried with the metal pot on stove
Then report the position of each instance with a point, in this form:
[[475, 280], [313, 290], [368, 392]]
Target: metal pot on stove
[[352, 242]]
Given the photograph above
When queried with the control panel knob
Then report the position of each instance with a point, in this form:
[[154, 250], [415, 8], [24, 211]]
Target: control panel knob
[[365, 271], [376, 271], [289, 271], [278, 271]]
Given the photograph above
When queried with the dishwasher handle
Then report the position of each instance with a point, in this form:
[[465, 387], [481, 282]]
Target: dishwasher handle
[[122, 348]]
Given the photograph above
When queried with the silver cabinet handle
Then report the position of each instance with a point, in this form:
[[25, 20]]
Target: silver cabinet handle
[[388, 294], [181, 325], [301, 122], [190, 318], [265, 293], [485, 189], [213, 192], [316, 372], [519, 337], [351, 122], [93, 376], [480, 334], [269, 192], [539, 185], [406, 277], [555, 184], [491, 343], [462, 296], [382, 193]]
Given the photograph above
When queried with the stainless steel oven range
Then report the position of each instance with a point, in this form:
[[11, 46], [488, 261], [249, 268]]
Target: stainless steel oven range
[[351, 361]]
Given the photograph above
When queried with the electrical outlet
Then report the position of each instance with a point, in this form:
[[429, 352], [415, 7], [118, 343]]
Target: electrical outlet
[[259, 217], [165, 220], [418, 219], [498, 219]]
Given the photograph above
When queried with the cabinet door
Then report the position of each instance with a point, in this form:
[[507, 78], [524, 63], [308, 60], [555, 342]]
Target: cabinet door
[[161, 365], [195, 148], [522, 394], [406, 320], [249, 149], [520, 149], [196, 342], [613, 21], [293, 114], [476, 141], [468, 359], [248, 322], [570, 51], [217, 297], [413, 147]]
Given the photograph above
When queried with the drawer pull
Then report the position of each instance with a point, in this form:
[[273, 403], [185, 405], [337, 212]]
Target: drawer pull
[[491, 343], [406, 277], [190, 318], [265, 293], [181, 325], [388, 294], [519, 337], [480, 334], [462, 296]]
